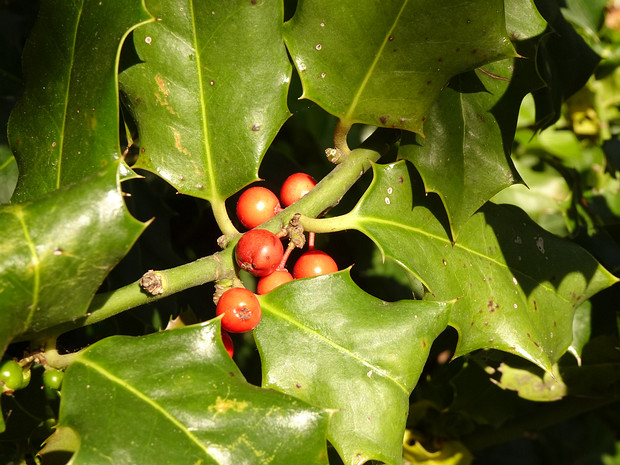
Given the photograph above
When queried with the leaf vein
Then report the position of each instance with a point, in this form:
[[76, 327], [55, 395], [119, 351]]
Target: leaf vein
[[386, 39], [338, 347], [143, 397]]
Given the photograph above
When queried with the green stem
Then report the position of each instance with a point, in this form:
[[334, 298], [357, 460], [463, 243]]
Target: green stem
[[218, 206], [340, 137], [325, 225], [105, 305], [221, 265], [328, 192], [54, 359]]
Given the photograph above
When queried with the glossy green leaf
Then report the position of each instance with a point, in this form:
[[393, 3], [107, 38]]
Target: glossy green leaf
[[523, 21], [212, 92], [56, 251], [582, 330], [387, 65], [463, 157], [177, 397], [327, 342], [65, 127], [517, 285]]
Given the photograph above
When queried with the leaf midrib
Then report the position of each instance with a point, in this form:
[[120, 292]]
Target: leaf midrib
[[360, 91], [89, 363], [61, 141], [203, 106], [338, 347], [368, 219], [36, 267]]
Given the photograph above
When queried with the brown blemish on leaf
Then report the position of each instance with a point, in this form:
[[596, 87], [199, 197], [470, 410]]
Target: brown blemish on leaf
[[383, 119], [178, 144], [162, 95]]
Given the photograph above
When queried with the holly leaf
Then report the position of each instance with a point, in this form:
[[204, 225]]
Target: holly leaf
[[465, 154], [67, 118], [523, 21], [325, 341], [463, 157], [378, 69], [211, 93], [181, 399], [56, 251], [517, 285]]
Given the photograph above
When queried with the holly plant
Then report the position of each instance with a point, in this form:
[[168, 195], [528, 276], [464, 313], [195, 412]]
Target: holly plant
[[308, 231]]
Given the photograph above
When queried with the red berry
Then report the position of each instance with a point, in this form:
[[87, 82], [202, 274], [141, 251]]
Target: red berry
[[256, 205], [295, 187], [228, 343], [314, 263], [240, 308], [275, 279], [259, 252]]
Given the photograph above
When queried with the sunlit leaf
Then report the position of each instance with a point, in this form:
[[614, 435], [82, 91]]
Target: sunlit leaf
[[384, 63], [65, 127], [211, 93], [177, 397], [325, 341], [388, 65], [517, 285], [8, 174], [56, 251]]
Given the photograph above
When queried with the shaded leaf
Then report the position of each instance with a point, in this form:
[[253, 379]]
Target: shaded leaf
[[67, 119], [56, 251], [378, 69], [325, 341], [463, 157], [181, 399], [517, 285], [212, 92], [564, 61]]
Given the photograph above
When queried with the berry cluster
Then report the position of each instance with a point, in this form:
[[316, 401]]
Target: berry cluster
[[261, 253]]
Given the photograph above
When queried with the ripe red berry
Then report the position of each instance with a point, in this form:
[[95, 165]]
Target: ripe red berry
[[228, 343], [256, 205], [270, 282], [314, 263], [240, 309], [295, 187], [259, 252]]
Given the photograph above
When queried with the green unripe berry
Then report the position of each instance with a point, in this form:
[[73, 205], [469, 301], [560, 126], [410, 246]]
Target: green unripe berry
[[26, 375], [52, 379], [11, 375]]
